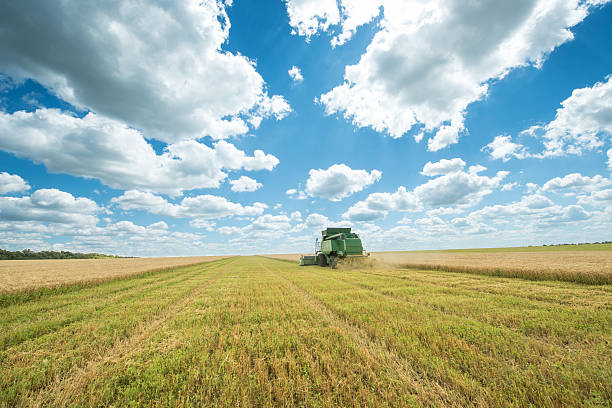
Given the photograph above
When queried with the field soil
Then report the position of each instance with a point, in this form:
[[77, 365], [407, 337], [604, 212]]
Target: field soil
[[28, 274], [585, 266], [255, 331]]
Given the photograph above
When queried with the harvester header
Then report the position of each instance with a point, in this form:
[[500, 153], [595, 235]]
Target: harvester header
[[335, 243]]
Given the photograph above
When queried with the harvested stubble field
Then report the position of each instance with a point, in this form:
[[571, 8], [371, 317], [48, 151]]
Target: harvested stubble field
[[590, 264], [254, 331], [28, 274]]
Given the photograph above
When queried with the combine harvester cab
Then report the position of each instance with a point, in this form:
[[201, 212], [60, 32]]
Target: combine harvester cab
[[336, 243]]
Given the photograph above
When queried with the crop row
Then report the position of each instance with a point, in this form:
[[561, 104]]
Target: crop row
[[251, 331]]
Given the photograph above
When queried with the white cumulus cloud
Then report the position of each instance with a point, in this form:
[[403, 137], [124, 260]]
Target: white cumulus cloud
[[355, 13], [315, 220], [202, 207], [235, 231], [121, 238], [202, 224], [532, 211], [502, 147], [339, 181], [269, 222], [118, 155], [294, 193], [509, 186], [576, 182], [261, 230], [431, 59], [582, 123], [597, 198], [455, 188], [105, 57], [12, 183], [444, 166], [49, 205], [378, 205], [308, 17], [296, 74], [245, 183]]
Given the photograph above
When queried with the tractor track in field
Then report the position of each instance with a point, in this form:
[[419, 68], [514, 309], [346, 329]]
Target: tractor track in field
[[60, 392], [375, 349]]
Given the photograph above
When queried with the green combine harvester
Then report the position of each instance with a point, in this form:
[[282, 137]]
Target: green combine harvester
[[335, 244]]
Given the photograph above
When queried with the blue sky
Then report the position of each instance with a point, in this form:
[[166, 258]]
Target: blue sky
[[201, 128]]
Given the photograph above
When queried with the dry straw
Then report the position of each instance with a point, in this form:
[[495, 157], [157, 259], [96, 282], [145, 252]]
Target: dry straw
[[588, 267]]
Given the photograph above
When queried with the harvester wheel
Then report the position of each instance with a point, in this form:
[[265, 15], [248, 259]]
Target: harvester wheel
[[333, 261], [322, 261]]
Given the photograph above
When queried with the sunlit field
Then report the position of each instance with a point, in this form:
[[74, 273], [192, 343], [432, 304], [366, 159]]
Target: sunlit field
[[254, 331], [29, 274], [590, 263]]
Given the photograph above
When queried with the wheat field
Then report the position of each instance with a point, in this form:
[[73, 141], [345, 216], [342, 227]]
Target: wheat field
[[591, 266], [255, 331], [18, 275]]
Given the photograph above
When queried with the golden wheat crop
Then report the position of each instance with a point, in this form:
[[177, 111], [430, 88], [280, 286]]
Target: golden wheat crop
[[28, 274], [285, 257], [572, 266]]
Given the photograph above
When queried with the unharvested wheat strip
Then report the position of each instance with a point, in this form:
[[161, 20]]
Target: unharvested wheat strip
[[66, 294], [542, 293], [582, 266], [433, 394], [550, 292], [18, 275], [60, 393], [56, 303], [591, 267], [117, 286], [24, 314], [591, 277], [90, 309]]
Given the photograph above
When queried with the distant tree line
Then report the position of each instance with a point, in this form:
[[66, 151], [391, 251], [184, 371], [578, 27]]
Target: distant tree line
[[580, 243], [29, 254]]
